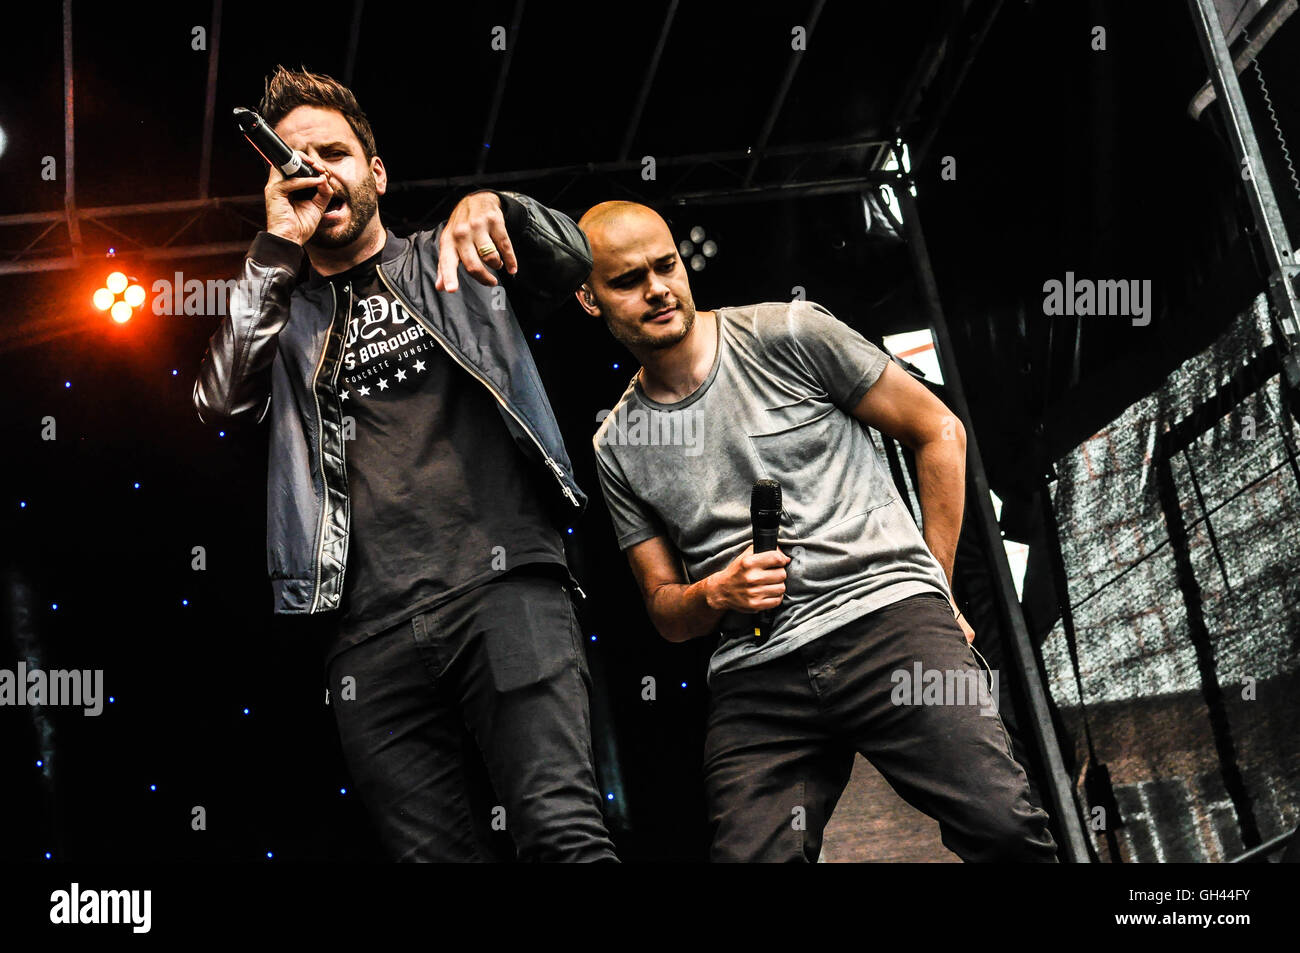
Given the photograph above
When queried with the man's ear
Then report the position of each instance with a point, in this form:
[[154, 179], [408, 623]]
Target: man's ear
[[380, 173], [587, 301]]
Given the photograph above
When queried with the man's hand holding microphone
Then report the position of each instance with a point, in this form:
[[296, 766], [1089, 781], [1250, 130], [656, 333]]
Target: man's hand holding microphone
[[751, 583], [289, 215]]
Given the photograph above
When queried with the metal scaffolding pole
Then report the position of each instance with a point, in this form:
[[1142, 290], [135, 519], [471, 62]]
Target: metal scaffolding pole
[[69, 176], [647, 81], [494, 111], [814, 182], [1074, 845], [787, 80], [210, 100], [354, 37], [1278, 250]]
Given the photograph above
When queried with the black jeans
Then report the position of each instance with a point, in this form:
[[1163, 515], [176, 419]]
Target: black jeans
[[782, 736], [500, 669]]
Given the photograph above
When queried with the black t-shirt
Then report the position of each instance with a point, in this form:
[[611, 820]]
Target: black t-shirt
[[443, 499]]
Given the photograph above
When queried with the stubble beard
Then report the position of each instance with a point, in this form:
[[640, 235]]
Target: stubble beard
[[362, 206], [636, 338]]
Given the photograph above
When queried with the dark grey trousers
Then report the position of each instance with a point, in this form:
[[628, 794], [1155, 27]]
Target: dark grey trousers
[[500, 669], [782, 736]]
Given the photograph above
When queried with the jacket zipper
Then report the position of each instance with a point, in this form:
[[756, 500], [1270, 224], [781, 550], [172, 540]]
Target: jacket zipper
[[320, 449], [446, 346]]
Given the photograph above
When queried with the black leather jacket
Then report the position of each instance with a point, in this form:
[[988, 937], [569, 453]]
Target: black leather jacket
[[278, 351]]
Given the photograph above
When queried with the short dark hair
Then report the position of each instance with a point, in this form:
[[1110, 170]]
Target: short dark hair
[[287, 89]]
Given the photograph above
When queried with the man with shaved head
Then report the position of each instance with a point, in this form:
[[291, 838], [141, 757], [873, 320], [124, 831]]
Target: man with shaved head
[[861, 602]]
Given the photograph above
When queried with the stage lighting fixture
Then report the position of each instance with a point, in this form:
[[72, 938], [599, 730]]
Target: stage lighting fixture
[[697, 250], [894, 219], [119, 308]]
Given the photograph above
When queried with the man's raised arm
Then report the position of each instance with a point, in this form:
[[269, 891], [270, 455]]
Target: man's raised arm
[[545, 254], [234, 379]]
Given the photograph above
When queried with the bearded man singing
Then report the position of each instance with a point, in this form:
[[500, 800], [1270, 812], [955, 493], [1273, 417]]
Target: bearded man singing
[[417, 485]]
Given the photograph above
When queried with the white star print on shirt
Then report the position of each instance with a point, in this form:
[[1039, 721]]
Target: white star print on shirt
[[401, 375], [383, 384], [419, 365]]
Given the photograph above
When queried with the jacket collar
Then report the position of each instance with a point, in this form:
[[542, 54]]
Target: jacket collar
[[393, 248]]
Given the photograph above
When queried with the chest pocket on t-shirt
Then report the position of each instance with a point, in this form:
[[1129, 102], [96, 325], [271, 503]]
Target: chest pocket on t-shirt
[[825, 464]]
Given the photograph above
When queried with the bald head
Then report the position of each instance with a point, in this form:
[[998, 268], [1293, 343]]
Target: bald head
[[637, 284], [609, 221]]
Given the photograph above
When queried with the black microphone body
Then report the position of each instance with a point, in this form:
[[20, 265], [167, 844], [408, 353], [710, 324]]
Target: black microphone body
[[274, 149], [765, 518]]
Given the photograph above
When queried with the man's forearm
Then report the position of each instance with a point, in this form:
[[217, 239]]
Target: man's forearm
[[683, 612], [554, 254], [234, 379], [941, 472]]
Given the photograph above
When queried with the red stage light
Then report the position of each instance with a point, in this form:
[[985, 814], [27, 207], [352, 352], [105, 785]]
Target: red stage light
[[119, 308]]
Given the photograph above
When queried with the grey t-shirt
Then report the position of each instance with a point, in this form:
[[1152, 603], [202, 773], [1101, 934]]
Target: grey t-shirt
[[776, 405]]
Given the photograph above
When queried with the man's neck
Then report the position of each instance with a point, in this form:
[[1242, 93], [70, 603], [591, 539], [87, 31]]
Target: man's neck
[[332, 261], [674, 373]]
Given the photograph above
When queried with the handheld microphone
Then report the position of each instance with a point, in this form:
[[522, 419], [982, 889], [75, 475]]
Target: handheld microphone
[[274, 149], [765, 518]]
